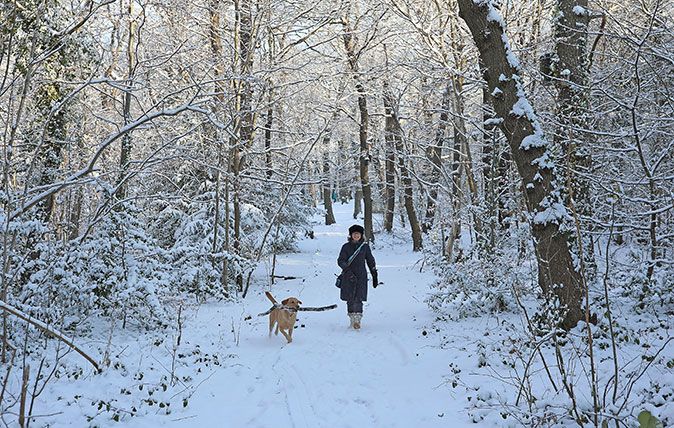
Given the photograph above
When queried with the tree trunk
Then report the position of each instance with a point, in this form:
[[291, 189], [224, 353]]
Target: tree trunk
[[557, 274], [50, 142], [455, 229], [125, 152], [571, 79], [312, 171], [489, 169], [494, 173], [50, 155], [244, 114], [364, 163], [246, 50], [390, 190], [363, 156], [75, 212], [224, 279], [215, 40], [343, 189], [459, 119], [434, 155], [327, 197], [358, 192], [267, 133], [461, 145], [393, 132], [236, 205]]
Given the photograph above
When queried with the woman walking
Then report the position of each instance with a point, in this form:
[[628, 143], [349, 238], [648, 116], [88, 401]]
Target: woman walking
[[352, 258]]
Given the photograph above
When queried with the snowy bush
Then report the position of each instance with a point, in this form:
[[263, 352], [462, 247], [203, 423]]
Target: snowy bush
[[539, 384], [475, 285], [293, 221], [116, 271], [647, 295], [468, 289], [197, 267], [186, 230]]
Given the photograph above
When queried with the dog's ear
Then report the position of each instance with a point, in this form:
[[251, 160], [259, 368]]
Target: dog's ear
[[285, 301]]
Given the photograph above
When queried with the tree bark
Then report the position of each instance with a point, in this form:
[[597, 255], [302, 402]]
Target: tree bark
[[215, 40], [243, 65], [313, 169], [125, 152], [459, 119], [490, 171], [390, 190], [557, 274], [571, 80], [571, 77], [358, 191], [393, 132], [488, 166], [434, 155], [495, 158], [461, 145], [74, 213], [363, 157], [267, 133], [364, 161], [246, 50], [327, 197], [455, 230], [343, 189]]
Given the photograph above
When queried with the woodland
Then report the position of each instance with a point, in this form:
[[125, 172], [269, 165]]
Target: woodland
[[157, 152]]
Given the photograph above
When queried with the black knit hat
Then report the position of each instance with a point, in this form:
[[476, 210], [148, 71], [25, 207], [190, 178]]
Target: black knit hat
[[356, 228]]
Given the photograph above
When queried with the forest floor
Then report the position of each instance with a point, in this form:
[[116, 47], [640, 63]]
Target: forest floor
[[388, 374], [404, 368], [228, 372]]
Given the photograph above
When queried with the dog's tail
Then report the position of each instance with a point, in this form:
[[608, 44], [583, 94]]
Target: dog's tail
[[270, 297]]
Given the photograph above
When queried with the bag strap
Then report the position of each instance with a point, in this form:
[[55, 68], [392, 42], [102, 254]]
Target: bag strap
[[353, 256]]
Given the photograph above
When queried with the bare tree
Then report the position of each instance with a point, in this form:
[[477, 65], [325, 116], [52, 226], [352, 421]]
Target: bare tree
[[353, 52], [131, 49], [557, 274], [390, 191], [393, 132], [434, 155], [327, 194]]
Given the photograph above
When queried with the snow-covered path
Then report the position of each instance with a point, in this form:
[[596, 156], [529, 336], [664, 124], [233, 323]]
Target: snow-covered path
[[385, 375], [394, 372]]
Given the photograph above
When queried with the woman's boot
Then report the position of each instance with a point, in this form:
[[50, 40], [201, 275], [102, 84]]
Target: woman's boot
[[356, 320], [352, 319]]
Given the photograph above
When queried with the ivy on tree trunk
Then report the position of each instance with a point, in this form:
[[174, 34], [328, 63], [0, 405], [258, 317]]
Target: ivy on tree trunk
[[557, 274]]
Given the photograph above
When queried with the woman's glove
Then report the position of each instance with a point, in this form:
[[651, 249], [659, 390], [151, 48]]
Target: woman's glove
[[375, 278]]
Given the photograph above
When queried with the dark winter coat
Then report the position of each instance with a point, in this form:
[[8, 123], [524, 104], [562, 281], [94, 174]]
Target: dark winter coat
[[354, 279]]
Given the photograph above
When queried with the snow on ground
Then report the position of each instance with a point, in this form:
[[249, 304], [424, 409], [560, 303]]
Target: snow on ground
[[391, 373], [404, 368], [330, 376]]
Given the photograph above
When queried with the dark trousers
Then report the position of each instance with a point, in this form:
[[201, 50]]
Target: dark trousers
[[354, 306]]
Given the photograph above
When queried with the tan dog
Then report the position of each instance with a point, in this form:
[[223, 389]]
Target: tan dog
[[283, 316]]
